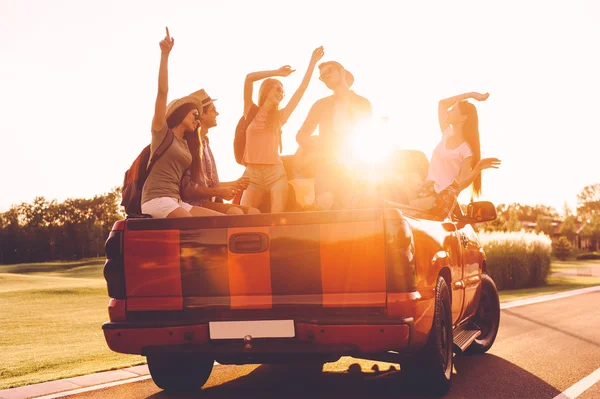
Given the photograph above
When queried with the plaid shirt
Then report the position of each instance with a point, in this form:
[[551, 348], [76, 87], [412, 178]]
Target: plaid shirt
[[445, 200], [208, 178]]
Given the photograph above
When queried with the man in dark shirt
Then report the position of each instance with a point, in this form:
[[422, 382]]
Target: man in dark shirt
[[335, 116], [200, 183]]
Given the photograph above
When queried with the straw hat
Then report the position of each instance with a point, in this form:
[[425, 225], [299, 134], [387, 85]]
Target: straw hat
[[203, 97], [197, 98]]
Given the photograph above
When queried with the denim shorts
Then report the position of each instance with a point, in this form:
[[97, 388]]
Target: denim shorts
[[266, 178]]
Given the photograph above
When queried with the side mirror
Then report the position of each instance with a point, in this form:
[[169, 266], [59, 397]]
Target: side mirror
[[480, 211]]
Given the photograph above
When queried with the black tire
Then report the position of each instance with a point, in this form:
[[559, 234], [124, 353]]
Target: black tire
[[180, 372], [487, 316], [431, 368]]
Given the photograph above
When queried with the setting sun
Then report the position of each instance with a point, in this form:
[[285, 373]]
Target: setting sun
[[371, 143]]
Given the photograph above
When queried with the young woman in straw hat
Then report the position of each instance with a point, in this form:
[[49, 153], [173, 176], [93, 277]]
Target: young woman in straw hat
[[161, 193], [263, 135]]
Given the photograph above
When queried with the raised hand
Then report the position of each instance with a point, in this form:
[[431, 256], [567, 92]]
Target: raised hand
[[488, 163], [317, 55], [285, 70], [166, 44], [480, 97]]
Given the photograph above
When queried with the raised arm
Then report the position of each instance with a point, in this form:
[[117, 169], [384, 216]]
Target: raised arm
[[310, 124], [254, 76], [468, 172], [446, 103], [293, 103], [160, 107]]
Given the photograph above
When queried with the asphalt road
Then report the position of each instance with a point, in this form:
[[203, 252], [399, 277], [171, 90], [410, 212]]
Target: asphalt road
[[541, 350]]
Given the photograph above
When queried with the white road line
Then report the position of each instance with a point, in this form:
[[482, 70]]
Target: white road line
[[580, 387], [549, 297]]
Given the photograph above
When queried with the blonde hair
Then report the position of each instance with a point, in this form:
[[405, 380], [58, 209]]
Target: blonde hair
[[274, 115]]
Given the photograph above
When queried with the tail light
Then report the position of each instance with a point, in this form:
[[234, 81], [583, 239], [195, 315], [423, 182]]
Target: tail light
[[400, 256], [114, 270]]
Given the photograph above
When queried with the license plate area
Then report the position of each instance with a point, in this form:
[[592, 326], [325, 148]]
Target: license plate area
[[254, 328]]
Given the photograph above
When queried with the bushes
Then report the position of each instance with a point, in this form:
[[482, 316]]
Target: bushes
[[517, 259], [562, 248], [589, 256]]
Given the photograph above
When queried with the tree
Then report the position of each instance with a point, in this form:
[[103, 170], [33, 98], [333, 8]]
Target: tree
[[498, 224], [543, 224], [588, 200], [592, 229], [568, 228], [513, 223], [47, 230], [562, 248]]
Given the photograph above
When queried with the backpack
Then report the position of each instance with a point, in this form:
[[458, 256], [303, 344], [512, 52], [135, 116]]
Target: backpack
[[136, 175], [239, 140]]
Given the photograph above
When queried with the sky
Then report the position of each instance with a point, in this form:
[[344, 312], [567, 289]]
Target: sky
[[78, 82]]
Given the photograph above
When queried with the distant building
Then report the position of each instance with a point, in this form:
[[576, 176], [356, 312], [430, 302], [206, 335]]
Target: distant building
[[580, 241]]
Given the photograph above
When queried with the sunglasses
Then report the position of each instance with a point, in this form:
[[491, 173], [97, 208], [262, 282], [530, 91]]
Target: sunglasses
[[197, 116], [327, 73]]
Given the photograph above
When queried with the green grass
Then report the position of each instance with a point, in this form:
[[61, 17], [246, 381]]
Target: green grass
[[559, 283], [574, 264], [51, 317]]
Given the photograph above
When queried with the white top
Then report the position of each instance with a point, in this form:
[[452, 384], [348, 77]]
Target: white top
[[444, 166]]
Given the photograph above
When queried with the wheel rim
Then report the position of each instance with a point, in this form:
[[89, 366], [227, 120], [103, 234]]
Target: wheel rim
[[484, 318], [444, 342]]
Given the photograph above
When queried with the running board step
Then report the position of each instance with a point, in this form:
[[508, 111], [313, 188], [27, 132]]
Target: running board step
[[464, 335]]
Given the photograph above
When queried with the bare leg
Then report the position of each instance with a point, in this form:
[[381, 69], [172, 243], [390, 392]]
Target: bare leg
[[179, 213], [199, 211], [230, 209], [252, 198], [279, 199], [234, 211], [252, 211], [324, 201]]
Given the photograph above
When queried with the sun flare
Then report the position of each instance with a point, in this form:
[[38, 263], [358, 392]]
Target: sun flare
[[371, 143]]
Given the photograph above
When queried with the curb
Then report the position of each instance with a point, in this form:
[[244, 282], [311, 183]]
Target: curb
[[548, 297], [70, 385]]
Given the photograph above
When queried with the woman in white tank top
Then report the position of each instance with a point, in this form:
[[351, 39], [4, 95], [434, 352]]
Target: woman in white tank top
[[456, 161]]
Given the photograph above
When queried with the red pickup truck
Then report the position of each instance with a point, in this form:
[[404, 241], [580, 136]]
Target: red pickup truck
[[391, 283]]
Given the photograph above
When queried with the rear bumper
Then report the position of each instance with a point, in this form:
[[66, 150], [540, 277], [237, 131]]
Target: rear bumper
[[316, 338]]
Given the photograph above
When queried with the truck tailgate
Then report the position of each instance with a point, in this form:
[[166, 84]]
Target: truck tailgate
[[215, 265]]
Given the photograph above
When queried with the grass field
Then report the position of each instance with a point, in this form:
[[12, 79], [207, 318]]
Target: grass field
[[51, 317], [569, 275]]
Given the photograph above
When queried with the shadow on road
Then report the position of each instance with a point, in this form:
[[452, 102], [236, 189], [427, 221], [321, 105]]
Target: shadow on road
[[476, 376]]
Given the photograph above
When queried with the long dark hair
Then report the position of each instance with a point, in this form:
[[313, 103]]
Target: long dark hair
[[274, 116], [471, 136], [195, 146]]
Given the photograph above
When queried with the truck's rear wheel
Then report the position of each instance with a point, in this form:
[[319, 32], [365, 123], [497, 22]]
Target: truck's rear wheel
[[180, 372], [487, 316], [431, 368]]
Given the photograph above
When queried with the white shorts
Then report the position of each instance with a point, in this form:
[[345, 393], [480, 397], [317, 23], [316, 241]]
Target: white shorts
[[161, 207]]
